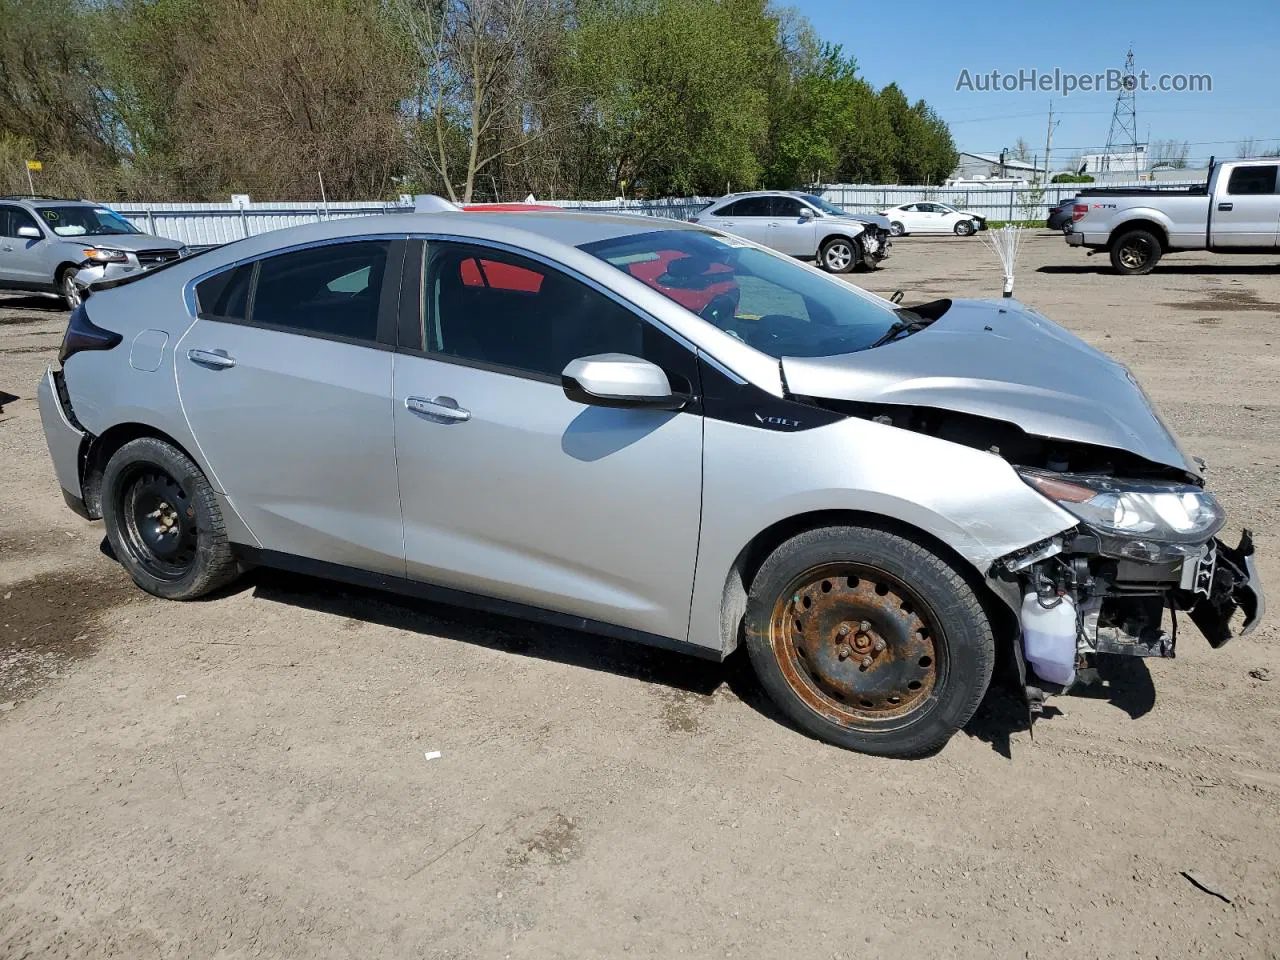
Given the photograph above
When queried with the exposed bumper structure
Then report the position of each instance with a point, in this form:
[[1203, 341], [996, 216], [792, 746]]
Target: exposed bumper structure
[[1233, 585]]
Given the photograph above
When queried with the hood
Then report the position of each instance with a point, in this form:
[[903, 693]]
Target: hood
[[124, 241], [874, 219], [1003, 361]]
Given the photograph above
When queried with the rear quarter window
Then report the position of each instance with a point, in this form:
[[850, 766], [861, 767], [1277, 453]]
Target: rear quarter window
[[225, 295]]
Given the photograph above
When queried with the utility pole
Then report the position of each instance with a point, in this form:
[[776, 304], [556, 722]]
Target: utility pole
[[1048, 141]]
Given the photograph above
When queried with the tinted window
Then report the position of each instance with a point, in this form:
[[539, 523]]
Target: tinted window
[[11, 218], [498, 309], [1252, 180], [331, 290], [768, 301], [785, 206], [225, 295], [753, 207], [728, 210]]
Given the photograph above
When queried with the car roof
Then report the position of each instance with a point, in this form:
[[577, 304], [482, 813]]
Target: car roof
[[535, 231], [44, 201]]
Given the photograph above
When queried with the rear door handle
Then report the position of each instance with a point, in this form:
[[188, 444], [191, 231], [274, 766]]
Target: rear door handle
[[440, 409], [1225, 206], [211, 358]]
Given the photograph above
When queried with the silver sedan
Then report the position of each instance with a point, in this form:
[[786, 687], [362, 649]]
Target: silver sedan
[[648, 430]]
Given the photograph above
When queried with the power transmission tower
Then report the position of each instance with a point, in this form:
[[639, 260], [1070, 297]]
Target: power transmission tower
[[1124, 119]]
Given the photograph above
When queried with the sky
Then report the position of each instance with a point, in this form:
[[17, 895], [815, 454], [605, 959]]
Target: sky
[[925, 45]]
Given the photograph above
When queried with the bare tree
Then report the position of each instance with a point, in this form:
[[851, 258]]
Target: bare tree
[[476, 97], [1169, 153], [1022, 150], [1248, 147]]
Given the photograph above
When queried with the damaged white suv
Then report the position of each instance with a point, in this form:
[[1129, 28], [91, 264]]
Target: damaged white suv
[[653, 431]]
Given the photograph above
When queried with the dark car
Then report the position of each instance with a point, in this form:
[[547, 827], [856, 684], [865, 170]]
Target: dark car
[[1060, 215]]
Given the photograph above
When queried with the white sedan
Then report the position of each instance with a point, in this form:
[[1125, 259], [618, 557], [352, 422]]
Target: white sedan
[[931, 217]]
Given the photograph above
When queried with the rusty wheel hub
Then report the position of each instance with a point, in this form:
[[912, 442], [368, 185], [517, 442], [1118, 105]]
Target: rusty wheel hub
[[857, 644]]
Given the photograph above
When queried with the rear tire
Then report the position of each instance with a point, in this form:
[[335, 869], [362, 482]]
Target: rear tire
[[163, 521], [896, 229], [868, 640], [1135, 253]]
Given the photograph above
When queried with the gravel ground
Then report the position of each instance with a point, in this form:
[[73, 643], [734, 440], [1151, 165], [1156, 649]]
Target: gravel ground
[[247, 776]]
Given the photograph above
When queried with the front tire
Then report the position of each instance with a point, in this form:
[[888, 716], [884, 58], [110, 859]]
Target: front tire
[[67, 288], [836, 255], [1135, 253], [868, 640], [964, 228], [163, 521]]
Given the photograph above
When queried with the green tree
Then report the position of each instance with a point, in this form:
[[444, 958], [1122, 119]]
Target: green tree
[[677, 90], [830, 121], [925, 151]]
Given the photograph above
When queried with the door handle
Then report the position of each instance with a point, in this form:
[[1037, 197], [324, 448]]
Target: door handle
[[217, 359], [1225, 206], [440, 409]]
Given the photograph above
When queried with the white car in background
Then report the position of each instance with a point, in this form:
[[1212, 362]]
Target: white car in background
[[931, 217]]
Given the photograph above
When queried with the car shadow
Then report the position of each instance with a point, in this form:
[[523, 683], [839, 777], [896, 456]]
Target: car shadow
[[48, 304], [1127, 682], [1124, 682], [495, 632], [1182, 269]]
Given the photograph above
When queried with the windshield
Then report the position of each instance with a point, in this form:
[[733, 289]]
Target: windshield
[[85, 221], [767, 301], [826, 206]]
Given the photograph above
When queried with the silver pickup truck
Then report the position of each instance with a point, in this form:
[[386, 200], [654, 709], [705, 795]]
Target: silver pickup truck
[[1237, 211]]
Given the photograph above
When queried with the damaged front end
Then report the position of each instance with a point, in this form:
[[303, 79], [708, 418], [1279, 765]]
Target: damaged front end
[[1142, 547]]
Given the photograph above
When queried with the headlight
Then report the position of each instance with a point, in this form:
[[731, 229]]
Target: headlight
[[1149, 521], [183, 251], [105, 255]]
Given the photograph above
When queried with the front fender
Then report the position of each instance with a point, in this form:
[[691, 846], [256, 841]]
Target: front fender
[[755, 478]]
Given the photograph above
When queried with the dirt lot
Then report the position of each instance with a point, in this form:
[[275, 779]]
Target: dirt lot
[[246, 777]]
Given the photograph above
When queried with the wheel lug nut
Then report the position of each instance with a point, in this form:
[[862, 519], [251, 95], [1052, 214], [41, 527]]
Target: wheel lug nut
[[844, 630], [879, 644], [866, 662], [864, 626], [845, 652]]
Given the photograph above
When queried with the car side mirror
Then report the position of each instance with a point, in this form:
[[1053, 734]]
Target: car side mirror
[[806, 213], [29, 233], [619, 380]]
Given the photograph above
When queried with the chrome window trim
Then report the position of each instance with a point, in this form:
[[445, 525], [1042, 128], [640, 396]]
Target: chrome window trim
[[189, 288]]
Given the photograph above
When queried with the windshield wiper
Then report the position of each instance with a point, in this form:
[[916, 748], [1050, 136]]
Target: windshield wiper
[[909, 322]]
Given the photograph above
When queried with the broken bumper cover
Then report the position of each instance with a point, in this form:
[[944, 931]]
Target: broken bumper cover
[[1234, 586]]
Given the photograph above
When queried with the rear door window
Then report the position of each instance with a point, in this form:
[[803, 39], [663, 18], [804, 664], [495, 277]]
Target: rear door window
[[753, 207], [1253, 181], [330, 291]]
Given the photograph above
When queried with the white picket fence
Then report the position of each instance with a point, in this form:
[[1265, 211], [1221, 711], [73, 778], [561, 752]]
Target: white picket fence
[[210, 224]]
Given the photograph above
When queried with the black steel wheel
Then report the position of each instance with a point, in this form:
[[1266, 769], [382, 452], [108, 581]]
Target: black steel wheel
[[868, 640], [163, 521], [159, 522]]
